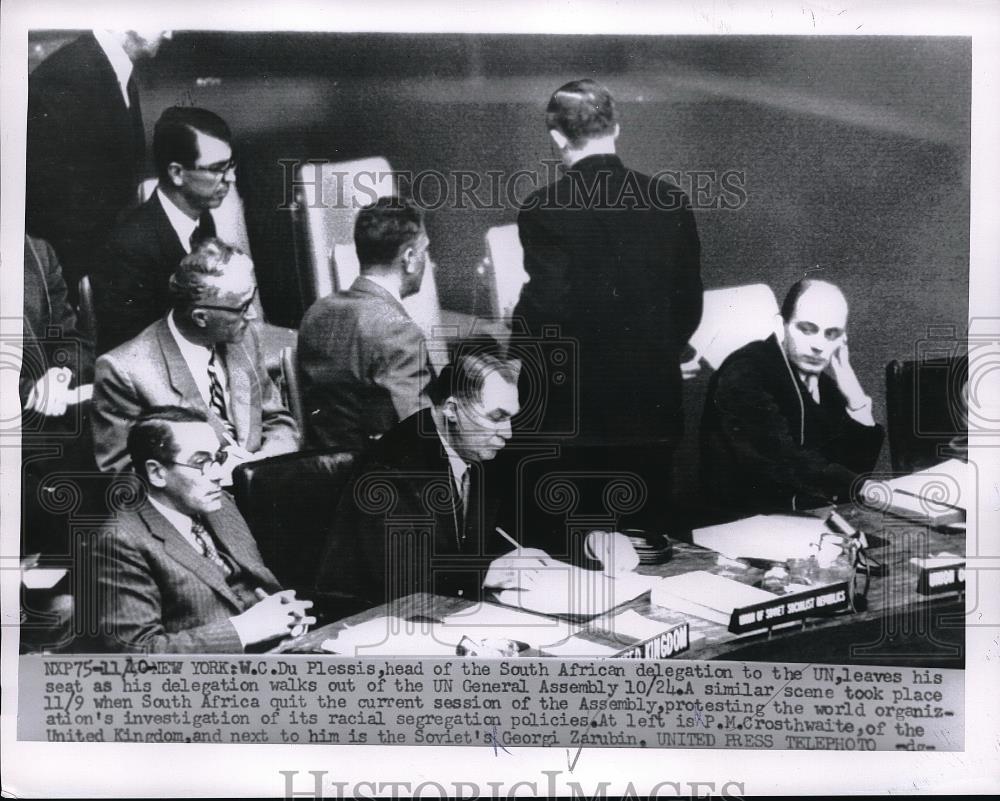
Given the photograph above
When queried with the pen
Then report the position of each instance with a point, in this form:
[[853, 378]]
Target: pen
[[514, 542], [930, 500]]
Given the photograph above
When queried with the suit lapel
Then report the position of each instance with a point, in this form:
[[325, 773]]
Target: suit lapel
[[181, 379], [243, 392], [170, 244], [181, 551], [231, 532]]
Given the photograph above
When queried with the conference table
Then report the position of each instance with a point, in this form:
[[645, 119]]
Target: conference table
[[895, 625]]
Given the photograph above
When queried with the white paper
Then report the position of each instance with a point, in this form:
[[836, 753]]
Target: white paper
[[773, 537], [575, 646]]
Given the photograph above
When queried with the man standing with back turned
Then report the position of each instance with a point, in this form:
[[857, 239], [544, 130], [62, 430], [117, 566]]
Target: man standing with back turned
[[614, 261]]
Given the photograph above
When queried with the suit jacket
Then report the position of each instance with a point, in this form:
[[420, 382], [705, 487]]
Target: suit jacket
[[150, 371], [85, 148], [363, 365], [758, 453], [613, 258], [157, 594], [132, 276], [398, 526], [49, 322]]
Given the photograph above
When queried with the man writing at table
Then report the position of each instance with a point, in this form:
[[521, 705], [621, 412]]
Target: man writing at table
[[181, 573], [787, 425], [421, 513]]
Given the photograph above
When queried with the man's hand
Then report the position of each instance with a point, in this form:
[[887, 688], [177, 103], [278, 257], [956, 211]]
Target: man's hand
[[51, 395], [236, 457], [847, 380], [273, 616], [516, 570]]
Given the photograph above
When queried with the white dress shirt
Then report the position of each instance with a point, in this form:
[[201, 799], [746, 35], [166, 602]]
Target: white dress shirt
[[196, 357], [387, 285], [178, 520], [120, 62], [459, 467], [183, 225]]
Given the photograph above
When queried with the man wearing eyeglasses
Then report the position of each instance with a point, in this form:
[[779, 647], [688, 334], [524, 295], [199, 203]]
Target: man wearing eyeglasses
[[181, 573], [203, 354], [195, 169]]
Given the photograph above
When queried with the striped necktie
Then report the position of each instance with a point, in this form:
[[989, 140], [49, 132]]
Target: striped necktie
[[207, 547], [217, 399]]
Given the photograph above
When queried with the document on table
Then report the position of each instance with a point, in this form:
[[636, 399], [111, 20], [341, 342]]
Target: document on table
[[563, 589], [579, 647], [773, 537], [935, 493], [493, 621], [706, 595]]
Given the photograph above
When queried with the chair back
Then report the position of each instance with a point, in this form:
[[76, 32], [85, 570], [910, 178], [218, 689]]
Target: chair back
[[731, 317], [289, 503], [506, 258], [86, 313], [291, 387], [924, 410]]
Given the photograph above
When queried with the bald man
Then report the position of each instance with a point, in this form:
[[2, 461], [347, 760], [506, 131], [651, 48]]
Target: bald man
[[787, 425]]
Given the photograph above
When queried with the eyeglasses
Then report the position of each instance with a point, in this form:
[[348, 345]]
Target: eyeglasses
[[205, 465], [240, 310], [218, 170]]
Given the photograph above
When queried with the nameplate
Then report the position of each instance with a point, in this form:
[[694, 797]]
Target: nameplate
[[941, 578], [663, 646], [786, 608]]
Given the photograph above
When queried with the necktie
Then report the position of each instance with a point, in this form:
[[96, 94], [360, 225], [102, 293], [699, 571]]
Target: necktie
[[216, 398], [207, 547], [205, 229], [812, 384]]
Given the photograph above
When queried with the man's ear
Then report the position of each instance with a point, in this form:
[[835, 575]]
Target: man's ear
[[174, 170], [618, 130], [156, 473], [450, 410], [559, 138], [199, 317], [409, 263]]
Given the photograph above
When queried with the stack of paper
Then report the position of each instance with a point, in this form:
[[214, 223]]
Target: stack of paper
[[777, 538], [706, 595], [563, 589], [490, 621], [938, 494]]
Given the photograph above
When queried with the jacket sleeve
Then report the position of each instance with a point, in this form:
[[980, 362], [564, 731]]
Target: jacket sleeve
[[126, 298], [546, 296], [686, 297], [131, 607], [63, 316], [401, 367], [760, 440], [115, 404]]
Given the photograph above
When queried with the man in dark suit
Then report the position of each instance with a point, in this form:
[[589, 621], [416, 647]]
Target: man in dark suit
[[195, 167], [85, 143], [203, 354], [181, 573], [421, 512], [787, 425], [613, 258], [363, 361]]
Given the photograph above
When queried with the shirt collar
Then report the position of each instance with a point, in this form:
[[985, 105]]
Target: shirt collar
[[193, 353], [182, 224], [458, 465], [178, 520], [385, 283], [120, 62]]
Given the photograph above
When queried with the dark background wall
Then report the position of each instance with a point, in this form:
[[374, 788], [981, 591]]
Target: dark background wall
[[855, 151]]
